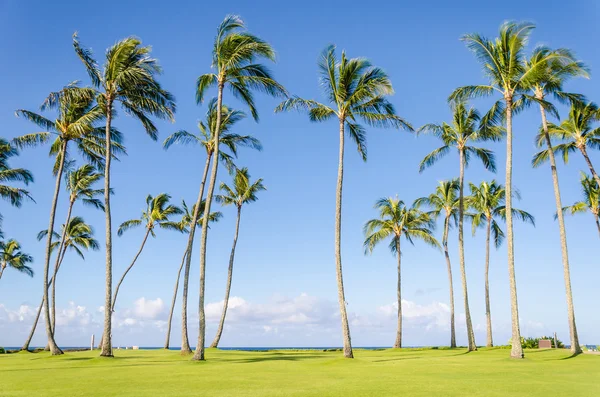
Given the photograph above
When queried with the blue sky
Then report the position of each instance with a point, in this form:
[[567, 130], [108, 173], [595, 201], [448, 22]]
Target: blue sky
[[284, 277]]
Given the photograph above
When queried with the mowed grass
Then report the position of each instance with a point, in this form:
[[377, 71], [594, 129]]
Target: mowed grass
[[408, 372]]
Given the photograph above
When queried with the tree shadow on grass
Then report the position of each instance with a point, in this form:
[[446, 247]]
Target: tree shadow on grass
[[275, 357]]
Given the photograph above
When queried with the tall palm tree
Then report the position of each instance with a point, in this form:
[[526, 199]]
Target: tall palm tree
[[242, 192], [464, 130], [396, 220], [129, 78], [206, 141], [503, 64], [185, 224], [75, 123], [445, 199], [356, 91], [558, 69], [488, 203], [590, 202], [12, 256], [234, 56], [14, 195]]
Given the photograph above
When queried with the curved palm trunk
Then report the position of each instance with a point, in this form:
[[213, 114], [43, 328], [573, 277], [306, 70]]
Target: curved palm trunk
[[398, 343], [168, 338], [199, 353], [517, 349], [51, 342], [597, 223], [215, 342], [185, 342], [447, 255], [338, 249], [589, 164], [488, 312], [461, 253], [575, 348], [106, 339]]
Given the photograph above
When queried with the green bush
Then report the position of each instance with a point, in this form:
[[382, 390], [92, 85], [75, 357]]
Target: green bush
[[2, 351], [533, 343]]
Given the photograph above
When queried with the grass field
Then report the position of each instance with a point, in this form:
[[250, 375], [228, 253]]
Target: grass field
[[410, 372]]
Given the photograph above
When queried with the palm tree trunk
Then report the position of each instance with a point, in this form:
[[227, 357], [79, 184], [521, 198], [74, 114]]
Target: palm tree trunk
[[488, 312], [398, 343], [199, 353], [51, 342], [173, 302], [106, 339], [517, 349], [597, 223], [461, 253], [589, 164], [447, 255], [215, 342], [185, 342], [575, 348], [338, 249]]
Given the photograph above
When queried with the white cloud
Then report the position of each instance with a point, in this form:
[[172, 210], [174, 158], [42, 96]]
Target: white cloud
[[148, 308]]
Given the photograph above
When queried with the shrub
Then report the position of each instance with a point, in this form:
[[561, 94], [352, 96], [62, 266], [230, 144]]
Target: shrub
[[2, 351]]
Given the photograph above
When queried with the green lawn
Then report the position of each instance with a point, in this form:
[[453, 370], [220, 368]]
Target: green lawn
[[410, 372]]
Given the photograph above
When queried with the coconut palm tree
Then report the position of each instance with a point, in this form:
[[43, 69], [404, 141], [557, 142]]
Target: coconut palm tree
[[205, 140], [186, 225], [488, 203], [460, 134], [242, 192], [12, 256], [396, 220], [503, 64], [76, 120], [558, 69], [356, 91], [129, 78], [234, 56], [445, 199], [590, 202], [8, 174]]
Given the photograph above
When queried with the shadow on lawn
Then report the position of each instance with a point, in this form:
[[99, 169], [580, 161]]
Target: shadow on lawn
[[275, 357]]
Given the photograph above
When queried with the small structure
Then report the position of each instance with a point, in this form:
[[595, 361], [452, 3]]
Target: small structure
[[135, 347], [545, 344]]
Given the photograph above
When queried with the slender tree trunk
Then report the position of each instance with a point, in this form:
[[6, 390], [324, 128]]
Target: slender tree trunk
[[461, 252], [338, 249], [185, 343], [215, 342], [51, 342], [488, 312], [589, 164], [199, 353], [597, 223], [398, 342], [447, 255], [168, 338], [517, 349], [575, 348], [107, 337]]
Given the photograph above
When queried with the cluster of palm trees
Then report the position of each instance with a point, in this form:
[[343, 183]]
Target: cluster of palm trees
[[355, 94]]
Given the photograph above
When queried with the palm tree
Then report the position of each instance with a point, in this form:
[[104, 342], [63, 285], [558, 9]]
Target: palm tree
[[503, 64], [234, 55], [12, 256], [445, 199], [129, 77], [206, 140], [488, 202], [590, 202], [464, 130], [357, 91], [186, 225], [242, 192], [77, 115], [396, 220], [14, 195], [557, 71]]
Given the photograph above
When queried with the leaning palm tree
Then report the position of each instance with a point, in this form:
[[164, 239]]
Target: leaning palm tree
[[464, 130], [590, 202], [8, 174], [396, 220], [242, 192], [129, 78], [357, 91], [503, 64], [558, 69], [227, 139], [12, 256], [185, 225], [234, 54], [487, 202], [445, 199]]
